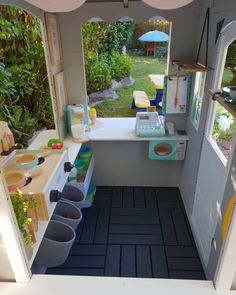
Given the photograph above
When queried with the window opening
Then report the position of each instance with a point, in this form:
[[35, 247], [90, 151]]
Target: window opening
[[224, 123], [25, 101], [197, 98], [117, 64]]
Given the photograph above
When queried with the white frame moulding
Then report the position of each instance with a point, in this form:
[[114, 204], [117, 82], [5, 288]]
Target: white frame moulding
[[12, 237], [227, 36], [226, 266]]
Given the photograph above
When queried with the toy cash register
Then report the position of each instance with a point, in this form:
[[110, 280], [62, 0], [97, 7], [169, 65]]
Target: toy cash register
[[149, 124]]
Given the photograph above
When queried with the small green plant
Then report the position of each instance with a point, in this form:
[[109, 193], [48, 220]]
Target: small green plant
[[217, 131], [21, 204], [120, 65], [97, 72]]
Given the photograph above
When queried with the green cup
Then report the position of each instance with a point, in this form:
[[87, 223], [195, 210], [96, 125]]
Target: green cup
[[85, 152]]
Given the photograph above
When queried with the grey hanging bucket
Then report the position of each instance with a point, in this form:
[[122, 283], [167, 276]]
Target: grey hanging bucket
[[67, 213], [73, 195], [56, 244]]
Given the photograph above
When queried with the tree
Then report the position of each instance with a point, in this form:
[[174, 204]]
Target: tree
[[231, 61], [24, 90]]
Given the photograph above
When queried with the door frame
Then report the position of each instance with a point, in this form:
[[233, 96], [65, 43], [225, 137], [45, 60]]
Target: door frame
[[226, 265], [226, 37]]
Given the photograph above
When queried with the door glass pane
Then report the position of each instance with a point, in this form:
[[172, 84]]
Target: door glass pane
[[197, 98], [224, 123]]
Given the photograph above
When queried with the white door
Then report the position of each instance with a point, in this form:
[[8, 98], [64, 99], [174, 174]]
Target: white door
[[215, 160]]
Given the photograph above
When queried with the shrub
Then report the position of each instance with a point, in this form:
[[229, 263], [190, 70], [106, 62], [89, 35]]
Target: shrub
[[24, 90], [120, 65], [98, 75], [20, 122], [102, 46]]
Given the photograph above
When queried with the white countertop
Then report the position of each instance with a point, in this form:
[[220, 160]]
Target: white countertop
[[123, 129], [113, 129]]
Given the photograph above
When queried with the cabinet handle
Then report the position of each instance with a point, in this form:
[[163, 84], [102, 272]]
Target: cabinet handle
[[68, 166], [54, 196]]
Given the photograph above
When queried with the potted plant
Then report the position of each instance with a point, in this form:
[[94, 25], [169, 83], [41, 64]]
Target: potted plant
[[22, 205]]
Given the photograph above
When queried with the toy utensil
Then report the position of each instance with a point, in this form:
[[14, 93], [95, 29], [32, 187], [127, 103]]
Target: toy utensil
[[176, 100]]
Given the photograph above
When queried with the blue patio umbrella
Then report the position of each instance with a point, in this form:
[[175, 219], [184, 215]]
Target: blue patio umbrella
[[154, 36]]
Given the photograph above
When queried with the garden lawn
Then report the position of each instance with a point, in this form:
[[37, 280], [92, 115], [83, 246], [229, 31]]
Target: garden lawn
[[142, 67]]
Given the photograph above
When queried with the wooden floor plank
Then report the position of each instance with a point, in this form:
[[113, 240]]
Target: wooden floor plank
[[187, 275], [172, 197], [117, 198], [78, 249], [167, 226], [184, 264], [179, 251], [112, 267], [134, 220], [134, 211], [101, 203], [84, 262], [150, 197], [104, 189], [89, 226], [103, 197], [144, 266], [131, 239], [170, 205], [139, 197], [159, 264], [128, 197], [135, 229], [80, 227], [102, 226], [133, 232], [181, 229], [128, 268]]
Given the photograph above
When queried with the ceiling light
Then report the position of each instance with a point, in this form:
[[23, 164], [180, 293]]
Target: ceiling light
[[56, 5], [167, 4]]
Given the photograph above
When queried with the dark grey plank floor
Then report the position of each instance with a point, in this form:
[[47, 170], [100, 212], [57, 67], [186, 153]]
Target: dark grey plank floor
[[134, 232]]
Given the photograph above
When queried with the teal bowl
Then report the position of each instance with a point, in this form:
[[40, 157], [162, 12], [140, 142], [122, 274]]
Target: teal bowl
[[80, 164], [26, 161]]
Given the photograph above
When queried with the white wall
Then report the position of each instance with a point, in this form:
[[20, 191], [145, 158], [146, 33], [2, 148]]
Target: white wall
[[127, 164]]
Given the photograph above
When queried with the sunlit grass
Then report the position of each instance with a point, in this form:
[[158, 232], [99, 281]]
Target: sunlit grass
[[142, 67]]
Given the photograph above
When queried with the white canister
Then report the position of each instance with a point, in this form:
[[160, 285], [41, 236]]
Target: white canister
[[78, 131]]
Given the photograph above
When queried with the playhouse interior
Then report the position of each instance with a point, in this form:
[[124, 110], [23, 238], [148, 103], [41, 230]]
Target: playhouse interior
[[142, 201]]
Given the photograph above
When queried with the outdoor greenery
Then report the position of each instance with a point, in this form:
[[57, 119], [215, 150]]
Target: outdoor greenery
[[141, 28], [229, 78], [103, 56], [21, 205], [142, 67], [217, 131], [24, 91], [231, 61]]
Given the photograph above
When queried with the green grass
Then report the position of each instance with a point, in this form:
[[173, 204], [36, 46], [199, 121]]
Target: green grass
[[227, 77], [142, 67]]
